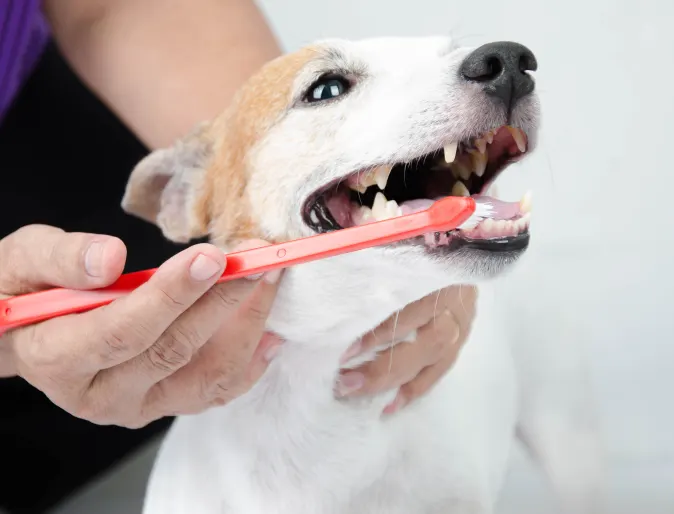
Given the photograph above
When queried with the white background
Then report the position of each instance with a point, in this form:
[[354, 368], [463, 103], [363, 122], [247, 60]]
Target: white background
[[603, 247]]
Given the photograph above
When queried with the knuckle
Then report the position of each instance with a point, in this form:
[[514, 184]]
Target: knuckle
[[257, 314], [169, 300], [220, 385], [378, 376], [114, 343], [92, 408], [438, 344], [120, 336], [172, 351], [413, 389], [225, 297]]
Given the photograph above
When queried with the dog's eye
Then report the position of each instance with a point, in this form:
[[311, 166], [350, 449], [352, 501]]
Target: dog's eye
[[327, 88]]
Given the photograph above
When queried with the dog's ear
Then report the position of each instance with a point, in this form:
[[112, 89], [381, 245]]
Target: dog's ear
[[166, 186]]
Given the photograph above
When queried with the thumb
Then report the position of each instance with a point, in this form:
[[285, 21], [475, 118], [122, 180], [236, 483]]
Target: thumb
[[39, 256]]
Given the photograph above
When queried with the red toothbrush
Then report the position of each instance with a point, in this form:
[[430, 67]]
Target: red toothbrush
[[444, 215]]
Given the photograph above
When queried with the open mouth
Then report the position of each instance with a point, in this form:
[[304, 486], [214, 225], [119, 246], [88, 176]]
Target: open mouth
[[466, 168]]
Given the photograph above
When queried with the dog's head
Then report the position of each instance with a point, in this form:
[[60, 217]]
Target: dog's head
[[344, 133]]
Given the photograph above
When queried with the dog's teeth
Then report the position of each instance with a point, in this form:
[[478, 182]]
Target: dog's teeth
[[381, 175], [460, 189], [489, 136], [364, 214], [358, 187], [379, 210], [460, 170], [450, 152], [519, 137], [480, 161], [392, 209], [525, 202], [367, 179], [481, 145]]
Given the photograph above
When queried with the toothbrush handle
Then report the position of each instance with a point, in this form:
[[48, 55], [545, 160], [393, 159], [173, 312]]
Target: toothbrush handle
[[444, 215]]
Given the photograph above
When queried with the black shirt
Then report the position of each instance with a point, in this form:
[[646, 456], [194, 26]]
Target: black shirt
[[64, 159]]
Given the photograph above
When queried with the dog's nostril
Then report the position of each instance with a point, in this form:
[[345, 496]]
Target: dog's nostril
[[502, 70], [494, 69], [528, 63]]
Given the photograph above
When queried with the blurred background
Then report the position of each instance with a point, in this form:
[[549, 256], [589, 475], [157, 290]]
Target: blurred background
[[603, 247]]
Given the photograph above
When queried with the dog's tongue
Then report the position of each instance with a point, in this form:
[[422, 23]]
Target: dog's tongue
[[501, 210]]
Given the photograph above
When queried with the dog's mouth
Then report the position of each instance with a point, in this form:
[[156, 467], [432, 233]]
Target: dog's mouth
[[466, 168]]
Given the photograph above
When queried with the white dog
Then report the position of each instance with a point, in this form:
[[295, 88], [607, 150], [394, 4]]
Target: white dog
[[338, 134]]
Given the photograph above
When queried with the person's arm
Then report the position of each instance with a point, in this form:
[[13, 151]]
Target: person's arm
[[162, 65]]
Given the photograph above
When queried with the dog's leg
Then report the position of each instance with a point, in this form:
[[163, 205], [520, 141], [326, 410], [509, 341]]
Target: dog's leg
[[557, 422]]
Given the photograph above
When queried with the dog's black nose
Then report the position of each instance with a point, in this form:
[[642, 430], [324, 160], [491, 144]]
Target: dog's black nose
[[501, 68]]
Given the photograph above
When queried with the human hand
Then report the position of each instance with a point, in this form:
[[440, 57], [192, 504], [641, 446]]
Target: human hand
[[178, 344], [442, 322]]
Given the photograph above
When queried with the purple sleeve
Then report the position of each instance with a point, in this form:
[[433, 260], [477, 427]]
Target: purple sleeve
[[23, 35]]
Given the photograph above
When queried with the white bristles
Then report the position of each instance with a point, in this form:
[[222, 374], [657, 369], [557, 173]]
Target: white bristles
[[482, 211]]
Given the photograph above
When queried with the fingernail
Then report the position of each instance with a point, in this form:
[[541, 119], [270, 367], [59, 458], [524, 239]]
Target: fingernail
[[272, 352], [271, 277], [395, 405], [203, 268], [353, 350], [93, 259], [349, 383], [271, 344]]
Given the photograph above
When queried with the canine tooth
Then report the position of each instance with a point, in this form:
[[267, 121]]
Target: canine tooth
[[460, 189], [481, 145], [480, 161], [381, 175], [450, 152], [489, 136], [358, 187], [379, 207], [519, 138], [525, 202]]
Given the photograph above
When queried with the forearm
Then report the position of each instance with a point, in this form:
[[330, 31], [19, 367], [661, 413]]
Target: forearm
[[162, 65]]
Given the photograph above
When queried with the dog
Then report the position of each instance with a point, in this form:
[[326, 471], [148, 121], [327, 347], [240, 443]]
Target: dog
[[342, 133]]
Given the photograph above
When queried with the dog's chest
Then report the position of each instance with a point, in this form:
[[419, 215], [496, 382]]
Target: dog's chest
[[289, 446]]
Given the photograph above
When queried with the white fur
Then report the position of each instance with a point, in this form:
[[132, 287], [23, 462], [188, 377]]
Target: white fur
[[290, 447]]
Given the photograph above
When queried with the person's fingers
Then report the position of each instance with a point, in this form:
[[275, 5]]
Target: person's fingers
[[39, 256], [212, 379], [228, 364], [396, 327], [180, 342], [420, 384], [106, 337], [401, 363]]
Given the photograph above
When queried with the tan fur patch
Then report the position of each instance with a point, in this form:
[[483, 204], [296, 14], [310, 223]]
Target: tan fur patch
[[254, 109]]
